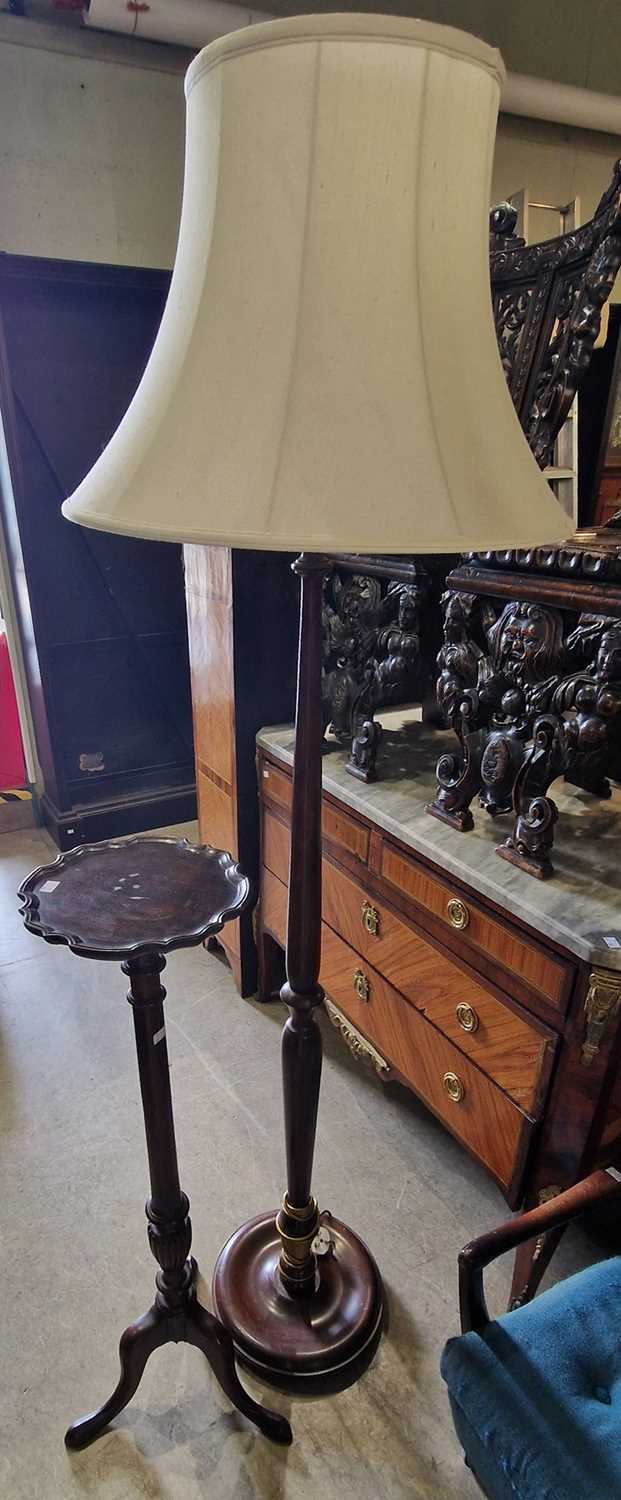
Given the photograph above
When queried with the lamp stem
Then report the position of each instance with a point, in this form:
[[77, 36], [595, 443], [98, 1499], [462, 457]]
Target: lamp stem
[[298, 1220]]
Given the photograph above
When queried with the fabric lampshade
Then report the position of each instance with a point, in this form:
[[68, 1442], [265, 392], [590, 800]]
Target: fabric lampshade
[[326, 375]]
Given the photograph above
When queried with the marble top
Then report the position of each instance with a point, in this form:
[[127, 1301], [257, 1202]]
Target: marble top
[[578, 907]]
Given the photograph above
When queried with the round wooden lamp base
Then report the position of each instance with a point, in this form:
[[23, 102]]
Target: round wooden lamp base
[[313, 1345]]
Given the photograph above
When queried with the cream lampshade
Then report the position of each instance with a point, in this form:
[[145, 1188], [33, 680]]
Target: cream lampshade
[[325, 378], [326, 375]]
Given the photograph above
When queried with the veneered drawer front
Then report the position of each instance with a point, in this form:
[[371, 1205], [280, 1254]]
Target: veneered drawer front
[[276, 784], [506, 1044], [344, 832], [274, 905], [484, 1119], [275, 844], [515, 1052], [337, 827], [545, 975]]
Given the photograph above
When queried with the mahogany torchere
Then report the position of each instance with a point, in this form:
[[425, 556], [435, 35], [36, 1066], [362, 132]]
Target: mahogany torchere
[[134, 902]]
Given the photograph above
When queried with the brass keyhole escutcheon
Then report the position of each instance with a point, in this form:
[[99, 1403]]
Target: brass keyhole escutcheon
[[361, 985], [370, 918], [453, 1086], [457, 913], [467, 1017]]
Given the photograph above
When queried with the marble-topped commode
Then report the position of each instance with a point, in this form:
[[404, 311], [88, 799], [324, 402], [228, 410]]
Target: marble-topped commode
[[578, 907], [494, 997]]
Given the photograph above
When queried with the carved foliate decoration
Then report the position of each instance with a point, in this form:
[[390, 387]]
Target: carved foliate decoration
[[371, 650], [510, 314], [547, 302], [577, 318], [601, 1008], [532, 693]]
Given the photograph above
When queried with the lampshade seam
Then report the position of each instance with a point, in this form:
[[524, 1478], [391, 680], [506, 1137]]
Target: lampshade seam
[[419, 154], [301, 278]]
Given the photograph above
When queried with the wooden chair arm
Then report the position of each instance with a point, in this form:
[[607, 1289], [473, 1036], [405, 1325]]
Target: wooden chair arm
[[554, 1214]]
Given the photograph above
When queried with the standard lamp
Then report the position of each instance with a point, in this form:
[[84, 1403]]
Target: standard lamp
[[325, 379]]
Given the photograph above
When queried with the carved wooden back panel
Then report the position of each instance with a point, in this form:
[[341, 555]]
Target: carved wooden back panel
[[547, 301], [380, 645]]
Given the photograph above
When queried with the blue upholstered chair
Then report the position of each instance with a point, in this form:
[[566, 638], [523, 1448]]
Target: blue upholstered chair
[[536, 1395]]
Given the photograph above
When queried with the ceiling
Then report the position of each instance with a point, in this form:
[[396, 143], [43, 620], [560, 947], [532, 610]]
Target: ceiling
[[571, 41]]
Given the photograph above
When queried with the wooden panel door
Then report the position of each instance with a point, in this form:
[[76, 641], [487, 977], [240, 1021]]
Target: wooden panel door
[[243, 623], [209, 603]]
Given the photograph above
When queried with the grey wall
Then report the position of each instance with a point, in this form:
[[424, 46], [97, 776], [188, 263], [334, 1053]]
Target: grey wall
[[555, 163], [91, 155], [91, 142]]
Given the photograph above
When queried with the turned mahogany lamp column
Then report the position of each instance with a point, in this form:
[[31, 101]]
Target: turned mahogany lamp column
[[298, 1220], [307, 1322], [325, 379]]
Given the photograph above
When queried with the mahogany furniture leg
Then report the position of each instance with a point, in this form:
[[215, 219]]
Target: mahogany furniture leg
[[549, 1217], [269, 965], [300, 1292], [137, 1343], [176, 1315]]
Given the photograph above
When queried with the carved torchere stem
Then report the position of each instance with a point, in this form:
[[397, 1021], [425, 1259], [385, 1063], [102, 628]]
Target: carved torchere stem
[[169, 1227]]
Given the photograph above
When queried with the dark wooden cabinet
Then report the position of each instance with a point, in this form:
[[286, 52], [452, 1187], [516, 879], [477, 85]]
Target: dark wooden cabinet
[[102, 618]]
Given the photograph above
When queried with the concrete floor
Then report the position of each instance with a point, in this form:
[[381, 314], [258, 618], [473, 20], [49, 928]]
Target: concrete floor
[[76, 1268]]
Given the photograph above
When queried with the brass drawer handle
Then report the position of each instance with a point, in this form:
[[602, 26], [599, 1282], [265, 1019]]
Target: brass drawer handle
[[457, 913], [467, 1017], [370, 918], [361, 984], [453, 1086]]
